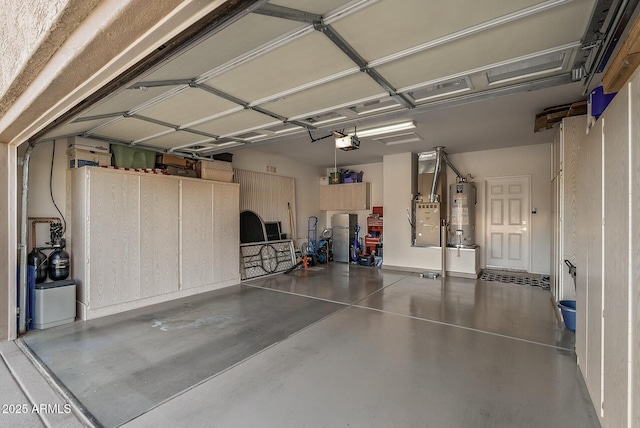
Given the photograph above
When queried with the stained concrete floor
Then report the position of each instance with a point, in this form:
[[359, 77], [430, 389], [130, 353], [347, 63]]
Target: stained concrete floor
[[342, 345]]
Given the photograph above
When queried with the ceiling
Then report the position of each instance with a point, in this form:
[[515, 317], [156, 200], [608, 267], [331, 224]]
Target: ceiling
[[471, 75]]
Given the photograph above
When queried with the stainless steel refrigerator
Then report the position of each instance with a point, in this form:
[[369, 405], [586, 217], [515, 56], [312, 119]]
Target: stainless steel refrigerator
[[343, 226]]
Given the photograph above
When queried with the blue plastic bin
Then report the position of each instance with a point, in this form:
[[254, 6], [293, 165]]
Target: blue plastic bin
[[568, 309]]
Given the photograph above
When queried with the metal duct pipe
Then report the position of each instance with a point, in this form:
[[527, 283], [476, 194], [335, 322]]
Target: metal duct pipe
[[22, 320], [436, 172], [453, 168]]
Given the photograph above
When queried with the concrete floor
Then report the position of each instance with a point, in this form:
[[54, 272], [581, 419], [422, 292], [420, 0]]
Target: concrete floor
[[336, 346]]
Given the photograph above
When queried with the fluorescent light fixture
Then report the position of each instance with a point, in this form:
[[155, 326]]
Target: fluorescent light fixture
[[392, 140], [402, 126]]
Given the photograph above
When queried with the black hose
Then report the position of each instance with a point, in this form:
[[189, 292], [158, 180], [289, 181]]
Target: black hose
[[53, 156]]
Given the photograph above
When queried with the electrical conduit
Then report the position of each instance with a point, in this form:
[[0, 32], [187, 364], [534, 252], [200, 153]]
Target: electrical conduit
[[22, 321]]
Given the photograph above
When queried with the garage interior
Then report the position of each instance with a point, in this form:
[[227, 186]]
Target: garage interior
[[172, 325]]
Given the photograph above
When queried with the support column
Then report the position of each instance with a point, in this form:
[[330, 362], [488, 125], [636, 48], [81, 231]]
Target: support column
[[8, 241]]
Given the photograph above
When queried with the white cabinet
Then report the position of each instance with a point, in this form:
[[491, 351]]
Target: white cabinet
[[564, 167], [137, 239], [608, 286], [345, 197]]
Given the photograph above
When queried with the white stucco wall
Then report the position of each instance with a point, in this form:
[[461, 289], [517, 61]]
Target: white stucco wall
[[25, 26]]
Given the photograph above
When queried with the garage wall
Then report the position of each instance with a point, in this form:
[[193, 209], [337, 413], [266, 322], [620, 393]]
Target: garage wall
[[373, 173], [528, 160], [306, 179], [39, 199]]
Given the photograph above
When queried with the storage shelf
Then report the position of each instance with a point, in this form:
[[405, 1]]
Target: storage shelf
[[345, 197]]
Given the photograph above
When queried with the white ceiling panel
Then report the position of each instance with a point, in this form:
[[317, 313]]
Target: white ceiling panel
[[312, 6], [414, 22], [176, 139], [131, 129], [437, 53], [337, 93], [236, 123], [187, 106], [490, 47], [245, 35], [75, 128], [303, 60], [126, 100]]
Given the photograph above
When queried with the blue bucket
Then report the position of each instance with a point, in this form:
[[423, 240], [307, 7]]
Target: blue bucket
[[568, 309]]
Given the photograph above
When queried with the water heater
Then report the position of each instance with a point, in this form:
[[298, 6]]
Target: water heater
[[462, 218]]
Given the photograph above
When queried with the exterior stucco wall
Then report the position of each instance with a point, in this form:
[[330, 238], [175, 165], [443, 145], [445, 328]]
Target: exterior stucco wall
[[8, 211], [33, 30]]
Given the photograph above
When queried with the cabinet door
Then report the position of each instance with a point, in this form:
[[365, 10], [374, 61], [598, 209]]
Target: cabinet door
[[114, 238], [345, 197], [226, 233], [325, 197], [360, 198], [197, 233], [159, 235]]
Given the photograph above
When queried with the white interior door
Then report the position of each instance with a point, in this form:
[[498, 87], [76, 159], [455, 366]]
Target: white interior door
[[507, 223]]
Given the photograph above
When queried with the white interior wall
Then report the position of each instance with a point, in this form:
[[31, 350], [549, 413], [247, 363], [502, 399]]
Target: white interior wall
[[399, 173], [528, 160], [39, 196]]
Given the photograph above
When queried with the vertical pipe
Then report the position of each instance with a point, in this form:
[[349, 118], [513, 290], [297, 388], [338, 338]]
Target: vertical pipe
[[22, 324], [443, 248], [436, 173]]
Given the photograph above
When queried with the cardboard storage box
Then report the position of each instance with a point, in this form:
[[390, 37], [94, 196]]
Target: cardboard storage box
[[79, 158], [88, 144], [183, 171], [215, 170], [163, 159]]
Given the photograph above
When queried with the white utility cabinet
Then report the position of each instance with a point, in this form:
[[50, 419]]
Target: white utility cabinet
[[137, 239]]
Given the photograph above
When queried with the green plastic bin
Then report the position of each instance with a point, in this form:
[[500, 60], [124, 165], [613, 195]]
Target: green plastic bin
[[133, 157]]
